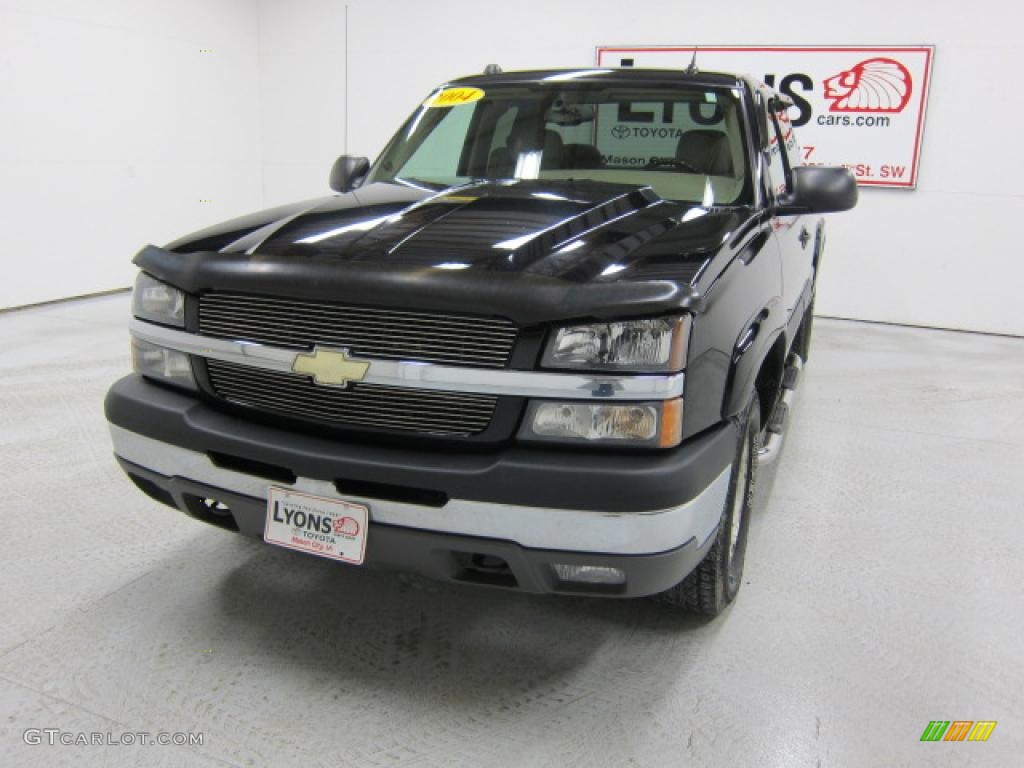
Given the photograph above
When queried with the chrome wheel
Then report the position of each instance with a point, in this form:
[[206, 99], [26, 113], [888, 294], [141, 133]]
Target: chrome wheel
[[713, 584], [739, 501]]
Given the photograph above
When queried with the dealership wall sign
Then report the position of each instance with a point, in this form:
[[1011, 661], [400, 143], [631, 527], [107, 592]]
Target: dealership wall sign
[[855, 106]]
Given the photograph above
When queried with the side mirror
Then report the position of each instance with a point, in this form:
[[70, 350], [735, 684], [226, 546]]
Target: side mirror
[[347, 172], [819, 189]]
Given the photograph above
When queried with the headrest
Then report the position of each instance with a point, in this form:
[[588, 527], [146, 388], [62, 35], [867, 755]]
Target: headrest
[[706, 151]]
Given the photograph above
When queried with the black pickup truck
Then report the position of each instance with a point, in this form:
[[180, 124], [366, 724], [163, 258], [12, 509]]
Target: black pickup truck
[[542, 343]]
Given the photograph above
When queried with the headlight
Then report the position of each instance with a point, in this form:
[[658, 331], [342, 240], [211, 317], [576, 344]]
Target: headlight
[[655, 425], [158, 302], [167, 365], [652, 345]]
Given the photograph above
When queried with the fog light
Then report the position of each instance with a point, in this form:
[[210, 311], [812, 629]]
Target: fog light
[[215, 507], [162, 364], [589, 574]]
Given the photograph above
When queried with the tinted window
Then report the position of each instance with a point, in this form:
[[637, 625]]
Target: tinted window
[[686, 143], [777, 162]]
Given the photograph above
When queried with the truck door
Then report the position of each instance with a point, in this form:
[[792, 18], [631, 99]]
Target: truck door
[[794, 234]]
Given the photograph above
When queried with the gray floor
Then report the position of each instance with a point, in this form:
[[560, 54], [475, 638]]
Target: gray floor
[[883, 590]]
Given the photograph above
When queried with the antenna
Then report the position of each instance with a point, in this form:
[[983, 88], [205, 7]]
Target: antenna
[[692, 69]]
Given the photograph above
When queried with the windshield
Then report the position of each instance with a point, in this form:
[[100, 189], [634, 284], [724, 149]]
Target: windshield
[[684, 142]]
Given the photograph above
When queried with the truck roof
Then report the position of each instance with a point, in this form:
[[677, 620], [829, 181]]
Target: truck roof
[[631, 75]]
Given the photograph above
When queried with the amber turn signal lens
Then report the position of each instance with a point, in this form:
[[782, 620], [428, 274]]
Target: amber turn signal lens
[[671, 432]]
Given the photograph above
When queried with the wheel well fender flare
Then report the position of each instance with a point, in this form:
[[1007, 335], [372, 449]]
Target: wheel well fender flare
[[757, 345], [819, 244]]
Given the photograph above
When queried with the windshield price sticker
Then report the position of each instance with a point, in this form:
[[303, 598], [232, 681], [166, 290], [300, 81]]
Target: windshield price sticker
[[454, 97], [859, 107]]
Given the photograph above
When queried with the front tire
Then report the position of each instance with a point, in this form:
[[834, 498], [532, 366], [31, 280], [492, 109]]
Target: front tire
[[714, 583]]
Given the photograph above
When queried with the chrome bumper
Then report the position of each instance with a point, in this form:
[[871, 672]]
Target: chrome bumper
[[624, 533]]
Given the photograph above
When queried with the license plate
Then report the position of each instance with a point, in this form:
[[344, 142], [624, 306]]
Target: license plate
[[325, 527]]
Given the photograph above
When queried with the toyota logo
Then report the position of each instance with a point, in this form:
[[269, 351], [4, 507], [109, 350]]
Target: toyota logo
[[620, 131]]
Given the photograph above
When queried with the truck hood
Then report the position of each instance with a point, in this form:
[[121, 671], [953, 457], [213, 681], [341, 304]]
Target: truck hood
[[532, 251]]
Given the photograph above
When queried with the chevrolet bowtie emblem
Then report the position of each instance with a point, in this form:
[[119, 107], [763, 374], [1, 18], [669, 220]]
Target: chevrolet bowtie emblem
[[331, 367]]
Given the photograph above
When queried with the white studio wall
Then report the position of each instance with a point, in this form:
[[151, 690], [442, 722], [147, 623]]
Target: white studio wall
[[116, 127], [302, 104], [943, 255], [122, 122]]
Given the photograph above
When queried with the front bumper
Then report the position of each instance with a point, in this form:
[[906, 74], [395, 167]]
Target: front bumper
[[651, 515]]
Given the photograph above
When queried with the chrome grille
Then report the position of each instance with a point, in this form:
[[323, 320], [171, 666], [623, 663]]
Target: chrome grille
[[367, 405], [382, 333]]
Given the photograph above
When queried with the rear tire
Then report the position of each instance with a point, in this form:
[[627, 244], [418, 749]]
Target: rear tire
[[714, 583]]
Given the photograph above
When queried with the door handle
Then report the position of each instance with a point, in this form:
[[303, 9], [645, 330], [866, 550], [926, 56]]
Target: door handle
[[805, 237]]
